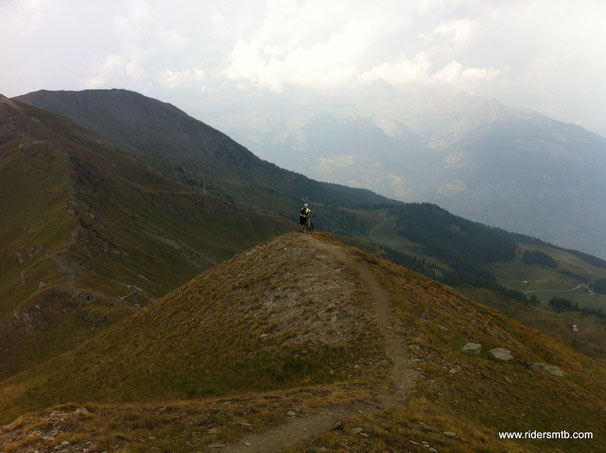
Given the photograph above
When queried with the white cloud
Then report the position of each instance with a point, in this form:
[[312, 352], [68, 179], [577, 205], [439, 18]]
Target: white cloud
[[400, 71], [112, 66], [174, 79], [145, 46], [308, 44], [455, 74], [548, 55], [418, 71], [458, 32]]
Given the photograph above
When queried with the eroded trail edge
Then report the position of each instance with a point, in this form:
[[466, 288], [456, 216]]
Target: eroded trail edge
[[403, 375]]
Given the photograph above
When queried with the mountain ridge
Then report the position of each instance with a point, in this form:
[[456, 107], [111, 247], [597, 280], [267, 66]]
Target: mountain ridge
[[418, 338], [85, 225], [188, 150]]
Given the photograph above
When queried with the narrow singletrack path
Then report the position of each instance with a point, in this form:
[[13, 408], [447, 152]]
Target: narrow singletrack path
[[404, 375]]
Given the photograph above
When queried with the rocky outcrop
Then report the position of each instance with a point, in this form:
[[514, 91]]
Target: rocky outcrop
[[551, 369], [471, 349], [500, 354]]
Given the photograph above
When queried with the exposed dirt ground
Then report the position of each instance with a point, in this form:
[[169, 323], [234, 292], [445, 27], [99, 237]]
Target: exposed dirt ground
[[403, 376]]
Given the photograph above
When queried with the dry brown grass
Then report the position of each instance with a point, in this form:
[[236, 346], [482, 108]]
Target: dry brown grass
[[276, 316], [175, 426], [473, 397]]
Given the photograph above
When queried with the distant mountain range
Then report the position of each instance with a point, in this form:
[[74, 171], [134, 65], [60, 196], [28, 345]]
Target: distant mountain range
[[196, 155], [505, 167]]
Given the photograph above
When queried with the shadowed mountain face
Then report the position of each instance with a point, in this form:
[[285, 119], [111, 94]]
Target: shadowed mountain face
[[504, 167], [533, 175], [293, 338], [188, 150], [83, 225]]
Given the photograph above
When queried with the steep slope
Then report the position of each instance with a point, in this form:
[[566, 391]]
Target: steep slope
[[534, 175], [192, 152], [84, 225], [365, 356], [275, 316]]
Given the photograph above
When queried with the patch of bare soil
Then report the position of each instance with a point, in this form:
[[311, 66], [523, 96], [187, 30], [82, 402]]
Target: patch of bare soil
[[302, 430]]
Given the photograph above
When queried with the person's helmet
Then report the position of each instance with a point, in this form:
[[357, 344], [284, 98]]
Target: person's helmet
[[305, 205]]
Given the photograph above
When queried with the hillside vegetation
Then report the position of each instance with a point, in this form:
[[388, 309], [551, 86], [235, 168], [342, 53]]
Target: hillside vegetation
[[193, 153], [293, 331], [420, 236], [189, 151], [84, 225]]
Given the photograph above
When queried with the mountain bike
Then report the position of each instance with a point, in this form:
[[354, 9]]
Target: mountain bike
[[309, 224]]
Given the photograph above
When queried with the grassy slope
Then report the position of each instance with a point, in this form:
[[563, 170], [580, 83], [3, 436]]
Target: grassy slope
[[381, 226], [35, 219], [589, 340], [88, 224], [37, 226], [220, 332], [475, 397], [192, 152]]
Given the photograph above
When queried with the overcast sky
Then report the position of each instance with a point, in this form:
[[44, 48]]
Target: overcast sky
[[547, 55]]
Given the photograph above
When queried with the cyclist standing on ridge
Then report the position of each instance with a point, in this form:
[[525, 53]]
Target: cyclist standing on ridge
[[305, 211]]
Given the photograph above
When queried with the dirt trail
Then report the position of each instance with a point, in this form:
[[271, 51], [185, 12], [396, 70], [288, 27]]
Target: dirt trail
[[302, 430], [403, 374], [297, 431]]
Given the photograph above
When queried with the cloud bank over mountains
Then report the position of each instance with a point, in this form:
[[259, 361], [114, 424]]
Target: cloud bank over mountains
[[549, 56]]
